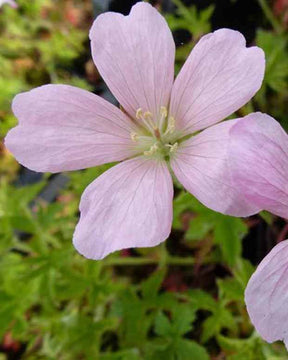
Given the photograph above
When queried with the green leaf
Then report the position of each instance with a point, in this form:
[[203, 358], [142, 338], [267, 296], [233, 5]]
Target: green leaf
[[197, 22], [188, 350], [275, 48], [132, 354], [267, 217], [151, 286], [202, 300], [229, 232], [162, 324], [199, 227], [231, 344], [243, 271], [221, 319], [183, 317], [231, 289]]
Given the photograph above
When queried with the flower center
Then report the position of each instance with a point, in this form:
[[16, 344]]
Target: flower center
[[158, 138]]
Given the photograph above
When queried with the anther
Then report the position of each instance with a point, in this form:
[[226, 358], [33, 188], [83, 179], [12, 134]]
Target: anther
[[134, 136], [152, 150], [139, 114], [173, 147], [148, 115], [171, 126], [163, 111], [163, 116]]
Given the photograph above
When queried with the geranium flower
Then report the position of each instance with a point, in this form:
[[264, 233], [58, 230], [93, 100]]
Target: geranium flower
[[259, 166], [12, 3], [64, 128]]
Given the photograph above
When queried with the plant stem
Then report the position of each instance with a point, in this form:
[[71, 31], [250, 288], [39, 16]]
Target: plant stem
[[132, 261], [270, 16]]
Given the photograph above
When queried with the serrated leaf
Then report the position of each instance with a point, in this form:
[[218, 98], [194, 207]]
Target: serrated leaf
[[183, 317], [221, 319], [202, 300], [162, 324]]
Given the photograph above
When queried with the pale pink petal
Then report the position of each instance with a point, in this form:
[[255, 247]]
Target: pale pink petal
[[219, 76], [135, 56], [65, 128], [130, 205], [12, 3], [266, 295], [201, 165], [259, 162]]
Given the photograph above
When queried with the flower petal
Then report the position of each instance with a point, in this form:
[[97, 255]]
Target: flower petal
[[201, 165], [135, 56], [130, 205], [12, 3], [266, 295], [259, 162], [219, 76], [65, 128]]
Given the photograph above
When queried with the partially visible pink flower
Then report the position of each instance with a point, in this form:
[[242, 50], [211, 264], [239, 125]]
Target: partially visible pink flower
[[64, 128], [258, 160], [266, 295], [12, 3]]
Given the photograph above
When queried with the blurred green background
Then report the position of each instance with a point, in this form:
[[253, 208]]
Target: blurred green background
[[182, 300]]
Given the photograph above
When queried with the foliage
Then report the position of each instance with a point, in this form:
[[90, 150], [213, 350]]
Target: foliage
[[182, 300]]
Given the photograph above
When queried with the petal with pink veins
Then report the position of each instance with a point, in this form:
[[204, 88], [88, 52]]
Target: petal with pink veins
[[259, 162], [135, 56], [64, 128], [201, 165], [266, 295], [130, 205], [219, 76]]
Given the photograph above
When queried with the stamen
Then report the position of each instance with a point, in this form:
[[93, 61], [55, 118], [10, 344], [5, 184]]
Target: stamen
[[163, 111], [139, 114], [171, 126], [147, 119], [134, 136], [164, 114], [153, 149], [148, 116], [173, 147]]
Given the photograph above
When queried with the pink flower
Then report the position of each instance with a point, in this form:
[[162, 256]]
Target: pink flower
[[12, 3], [266, 295], [259, 166], [64, 128], [259, 162]]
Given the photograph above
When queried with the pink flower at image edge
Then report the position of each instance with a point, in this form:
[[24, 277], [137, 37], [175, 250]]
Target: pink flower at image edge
[[12, 3], [258, 161], [63, 128], [266, 295]]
